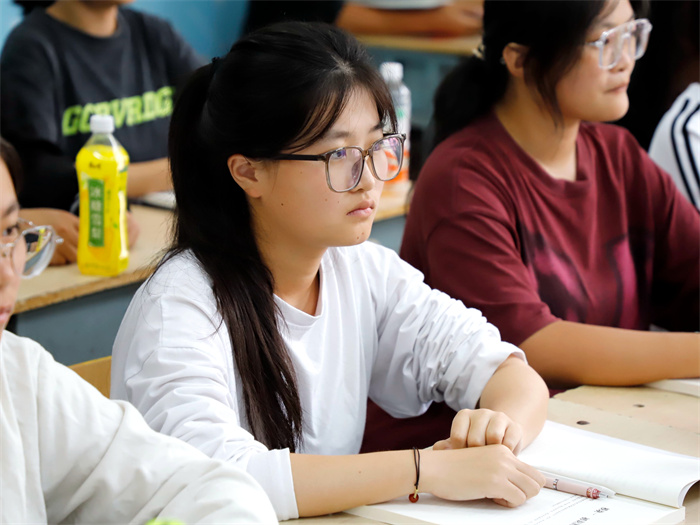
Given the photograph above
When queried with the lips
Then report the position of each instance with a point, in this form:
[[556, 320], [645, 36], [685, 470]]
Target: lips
[[620, 87], [367, 204]]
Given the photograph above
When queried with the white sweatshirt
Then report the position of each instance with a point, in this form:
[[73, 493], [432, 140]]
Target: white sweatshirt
[[69, 455], [378, 331]]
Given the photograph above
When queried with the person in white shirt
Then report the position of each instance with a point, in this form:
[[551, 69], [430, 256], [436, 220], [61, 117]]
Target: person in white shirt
[[675, 146], [270, 322], [70, 455]]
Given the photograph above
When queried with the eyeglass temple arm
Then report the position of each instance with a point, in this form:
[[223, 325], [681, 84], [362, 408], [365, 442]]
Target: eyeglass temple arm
[[294, 156]]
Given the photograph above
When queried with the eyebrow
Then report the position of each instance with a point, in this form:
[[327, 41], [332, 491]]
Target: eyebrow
[[10, 209], [342, 134]]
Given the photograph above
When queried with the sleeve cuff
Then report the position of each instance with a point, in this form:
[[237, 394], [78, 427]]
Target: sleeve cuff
[[273, 471]]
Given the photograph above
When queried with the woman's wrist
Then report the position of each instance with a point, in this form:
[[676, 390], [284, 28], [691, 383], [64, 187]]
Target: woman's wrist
[[429, 467]]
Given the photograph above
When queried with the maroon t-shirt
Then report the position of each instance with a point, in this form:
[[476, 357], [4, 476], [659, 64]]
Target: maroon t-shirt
[[617, 247]]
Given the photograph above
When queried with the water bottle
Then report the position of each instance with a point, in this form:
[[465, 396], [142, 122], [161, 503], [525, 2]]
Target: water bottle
[[392, 72], [102, 169]]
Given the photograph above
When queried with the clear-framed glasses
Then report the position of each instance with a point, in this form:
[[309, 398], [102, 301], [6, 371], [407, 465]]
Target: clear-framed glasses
[[633, 35], [344, 166], [36, 243]]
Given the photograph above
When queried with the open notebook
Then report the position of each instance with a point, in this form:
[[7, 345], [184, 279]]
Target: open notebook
[[650, 486], [690, 387]]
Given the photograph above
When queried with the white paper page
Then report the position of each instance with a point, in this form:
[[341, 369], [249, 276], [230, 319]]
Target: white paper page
[[549, 507], [690, 387], [627, 468]]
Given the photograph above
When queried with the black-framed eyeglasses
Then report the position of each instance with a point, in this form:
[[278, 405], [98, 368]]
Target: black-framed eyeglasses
[[344, 166]]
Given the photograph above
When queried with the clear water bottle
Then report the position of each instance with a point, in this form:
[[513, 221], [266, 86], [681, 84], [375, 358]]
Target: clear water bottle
[[392, 72]]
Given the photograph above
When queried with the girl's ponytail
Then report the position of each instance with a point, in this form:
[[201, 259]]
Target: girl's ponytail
[[468, 91]]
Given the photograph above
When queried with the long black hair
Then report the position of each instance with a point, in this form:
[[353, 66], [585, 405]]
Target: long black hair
[[553, 33], [279, 88]]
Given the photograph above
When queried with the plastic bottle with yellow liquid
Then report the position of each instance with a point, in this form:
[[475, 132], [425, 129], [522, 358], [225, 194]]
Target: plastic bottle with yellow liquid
[[102, 168]]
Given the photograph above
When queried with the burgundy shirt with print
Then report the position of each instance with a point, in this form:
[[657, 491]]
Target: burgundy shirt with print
[[618, 247]]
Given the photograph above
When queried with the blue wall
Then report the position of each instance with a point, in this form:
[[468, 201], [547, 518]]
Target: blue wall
[[10, 15], [210, 26]]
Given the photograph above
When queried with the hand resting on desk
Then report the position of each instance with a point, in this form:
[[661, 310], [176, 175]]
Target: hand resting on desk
[[494, 471], [490, 471], [67, 227], [476, 428]]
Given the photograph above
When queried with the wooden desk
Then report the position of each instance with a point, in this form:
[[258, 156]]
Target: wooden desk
[[451, 46], [76, 317], [665, 421], [61, 283], [652, 417]]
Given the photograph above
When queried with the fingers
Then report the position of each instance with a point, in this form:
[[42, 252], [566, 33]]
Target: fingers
[[513, 438], [132, 228], [524, 482], [443, 444], [531, 472], [480, 421], [460, 429], [477, 428], [68, 251], [68, 227], [58, 259]]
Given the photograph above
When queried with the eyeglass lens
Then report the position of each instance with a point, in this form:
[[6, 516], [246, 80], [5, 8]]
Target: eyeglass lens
[[635, 36], [30, 252], [40, 245], [346, 164]]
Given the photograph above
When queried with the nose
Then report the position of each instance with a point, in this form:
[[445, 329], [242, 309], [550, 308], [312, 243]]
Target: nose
[[367, 179], [627, 54], [7, 269]]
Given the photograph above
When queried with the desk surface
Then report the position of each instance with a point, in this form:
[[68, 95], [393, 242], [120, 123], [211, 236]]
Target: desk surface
[[452, 46], [667, 421], [62, 283]]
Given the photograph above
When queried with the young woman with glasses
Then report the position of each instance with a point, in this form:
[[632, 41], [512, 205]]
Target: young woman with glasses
[[269, 323], [557, 226]]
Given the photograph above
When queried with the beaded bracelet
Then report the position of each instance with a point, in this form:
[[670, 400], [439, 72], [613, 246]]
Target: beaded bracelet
[[416, 459]]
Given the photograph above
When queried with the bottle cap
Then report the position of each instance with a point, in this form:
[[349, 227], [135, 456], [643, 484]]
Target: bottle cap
[[102, 123], [392, 72]]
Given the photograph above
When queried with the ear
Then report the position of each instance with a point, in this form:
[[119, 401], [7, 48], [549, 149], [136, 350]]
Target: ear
[[246, 173], [514, 58]]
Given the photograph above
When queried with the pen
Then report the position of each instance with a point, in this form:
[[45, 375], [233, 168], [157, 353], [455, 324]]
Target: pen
[[572, 486]]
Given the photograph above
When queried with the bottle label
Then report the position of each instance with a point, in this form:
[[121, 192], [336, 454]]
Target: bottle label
[[96, 203]]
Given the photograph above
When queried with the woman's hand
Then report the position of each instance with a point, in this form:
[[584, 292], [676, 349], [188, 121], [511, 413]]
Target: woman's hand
[[132, 228], [477, 428], [490, 471]]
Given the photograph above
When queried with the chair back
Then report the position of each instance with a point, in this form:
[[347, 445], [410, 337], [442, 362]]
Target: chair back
[[96, 372]]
